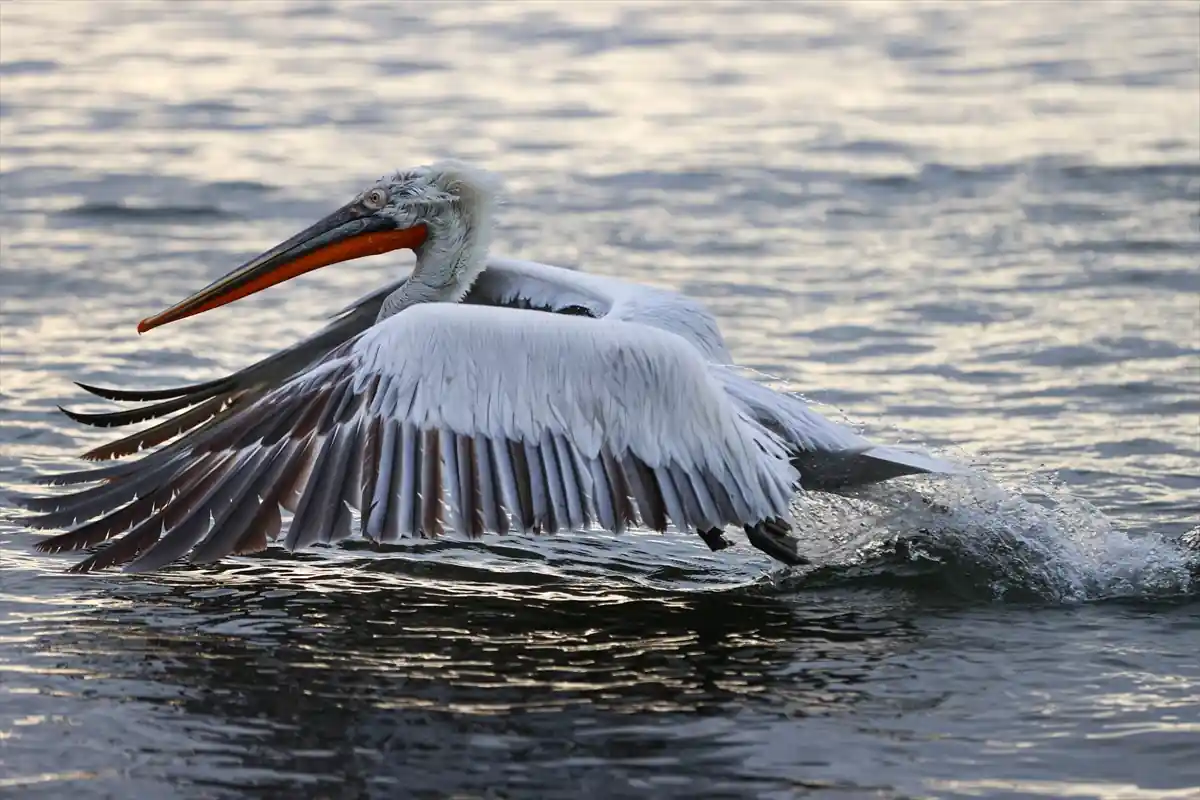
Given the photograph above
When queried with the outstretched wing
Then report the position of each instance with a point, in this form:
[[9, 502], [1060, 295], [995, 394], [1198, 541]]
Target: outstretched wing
[[829, 456], [207, 400], [443, 419], [506, 282]]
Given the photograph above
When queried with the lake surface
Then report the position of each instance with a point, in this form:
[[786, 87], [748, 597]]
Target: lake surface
[[973, 226]]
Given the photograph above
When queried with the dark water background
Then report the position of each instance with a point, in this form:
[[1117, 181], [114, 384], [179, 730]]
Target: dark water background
[[971, 225]]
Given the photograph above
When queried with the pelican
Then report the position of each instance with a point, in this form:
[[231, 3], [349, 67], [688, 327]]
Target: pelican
[[476, 395]]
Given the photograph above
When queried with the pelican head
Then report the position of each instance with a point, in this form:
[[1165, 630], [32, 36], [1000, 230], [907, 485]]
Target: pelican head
[[442, 212]]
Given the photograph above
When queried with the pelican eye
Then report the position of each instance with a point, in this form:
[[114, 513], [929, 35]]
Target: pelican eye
[[375, 199]]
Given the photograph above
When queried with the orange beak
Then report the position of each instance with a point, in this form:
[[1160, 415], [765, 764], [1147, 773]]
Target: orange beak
[[349, 233]]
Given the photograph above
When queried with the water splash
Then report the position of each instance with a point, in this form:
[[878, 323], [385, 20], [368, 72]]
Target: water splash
[[978, 538]]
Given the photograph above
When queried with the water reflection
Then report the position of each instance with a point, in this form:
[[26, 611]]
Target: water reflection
[[384, 683]]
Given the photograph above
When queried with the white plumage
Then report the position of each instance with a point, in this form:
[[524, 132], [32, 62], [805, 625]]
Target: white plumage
[[478, 395]]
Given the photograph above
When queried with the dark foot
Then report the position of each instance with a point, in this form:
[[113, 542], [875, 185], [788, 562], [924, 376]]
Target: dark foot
[[713, 538], [773, 537]]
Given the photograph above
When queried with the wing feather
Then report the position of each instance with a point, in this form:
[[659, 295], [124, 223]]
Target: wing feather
[[552, 473], [452, 489], [113, 522], [719, 496], [160, 433], [316, 496], [622, 502], [469, 487], [644, 488], [369, 473], [691, 503], [114, 419], [592, 425], [491, 504], [236, 520], [406, 486], [671, 498], [501, 450], [265, 528], [539, 495], [195, 389], [332, 525], [431, 486], [142, 537], [382, 496], [573, 492], [62, 510], [185, 532], [602, 500], [523, 509]]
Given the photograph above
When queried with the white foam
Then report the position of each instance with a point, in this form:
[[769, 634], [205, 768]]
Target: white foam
[[1025, 539]]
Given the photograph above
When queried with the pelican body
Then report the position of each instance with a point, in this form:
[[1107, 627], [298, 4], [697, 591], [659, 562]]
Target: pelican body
[[476, 395]]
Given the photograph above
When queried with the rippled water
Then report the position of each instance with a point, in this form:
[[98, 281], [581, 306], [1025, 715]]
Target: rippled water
[[964, 224]]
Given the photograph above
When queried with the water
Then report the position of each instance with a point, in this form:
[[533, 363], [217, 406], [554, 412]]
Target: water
[[969, 225]]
